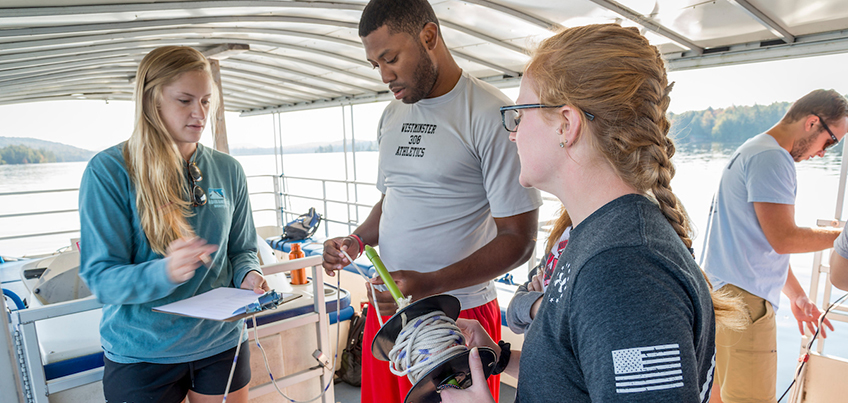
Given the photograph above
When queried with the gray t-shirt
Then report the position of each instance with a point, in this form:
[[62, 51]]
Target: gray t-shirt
[[627, 317], [447, 168], [738, 252]]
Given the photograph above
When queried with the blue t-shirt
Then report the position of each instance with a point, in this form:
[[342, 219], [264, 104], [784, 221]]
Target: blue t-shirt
[[130, 279], [738, 252], [840, 245]]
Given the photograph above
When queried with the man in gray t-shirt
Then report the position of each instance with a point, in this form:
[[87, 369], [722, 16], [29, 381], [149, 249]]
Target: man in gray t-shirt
[[752, 231], [453, 215]]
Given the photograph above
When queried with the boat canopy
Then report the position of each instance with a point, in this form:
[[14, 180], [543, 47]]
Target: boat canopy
[[283, 55]]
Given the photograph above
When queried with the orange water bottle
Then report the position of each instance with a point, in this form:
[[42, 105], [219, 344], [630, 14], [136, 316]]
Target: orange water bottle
[[298, 276]]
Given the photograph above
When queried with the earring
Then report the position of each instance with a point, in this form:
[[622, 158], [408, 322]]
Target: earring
[[563, 143]]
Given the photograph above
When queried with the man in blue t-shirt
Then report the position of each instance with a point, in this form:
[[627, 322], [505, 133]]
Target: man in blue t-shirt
[[752, 233]]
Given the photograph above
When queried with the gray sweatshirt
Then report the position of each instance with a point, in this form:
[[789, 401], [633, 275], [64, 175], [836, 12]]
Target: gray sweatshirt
[[627, 316]]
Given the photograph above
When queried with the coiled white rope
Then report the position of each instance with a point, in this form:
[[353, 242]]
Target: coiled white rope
[[423, 343]]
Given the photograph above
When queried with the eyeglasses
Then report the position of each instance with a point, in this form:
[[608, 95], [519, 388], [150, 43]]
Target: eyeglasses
[[832, 140], [194, 175], [511, 118]]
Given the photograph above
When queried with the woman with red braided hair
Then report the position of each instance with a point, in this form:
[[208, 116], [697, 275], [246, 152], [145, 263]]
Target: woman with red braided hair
[[628, 315]]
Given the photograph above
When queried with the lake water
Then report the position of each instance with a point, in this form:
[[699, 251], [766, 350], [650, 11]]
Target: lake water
[[698, 172]]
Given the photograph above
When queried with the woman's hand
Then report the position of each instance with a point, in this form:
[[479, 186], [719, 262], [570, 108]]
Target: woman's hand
[[476, 335], [184, 256], [538, 281], [478, 392], [256, 282]]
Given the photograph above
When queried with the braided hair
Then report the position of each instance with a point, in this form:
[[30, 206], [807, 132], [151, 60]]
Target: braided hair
[[615, 74]]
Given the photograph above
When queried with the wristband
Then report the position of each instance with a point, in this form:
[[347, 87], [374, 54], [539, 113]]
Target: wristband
[[503, 360], [361, 244]]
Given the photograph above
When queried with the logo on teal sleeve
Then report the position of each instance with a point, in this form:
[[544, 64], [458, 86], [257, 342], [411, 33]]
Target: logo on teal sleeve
[[217, 198]]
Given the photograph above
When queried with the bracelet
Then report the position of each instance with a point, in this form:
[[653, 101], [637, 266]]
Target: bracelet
[[361, 244], [503, 360]]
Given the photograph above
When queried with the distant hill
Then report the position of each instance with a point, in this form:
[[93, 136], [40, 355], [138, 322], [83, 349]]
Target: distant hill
[[306, 148], [62, 152], [730, 126]]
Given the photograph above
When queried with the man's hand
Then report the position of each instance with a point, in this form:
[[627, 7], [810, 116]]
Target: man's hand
[[256, 282], [410, 283], [806, 312], [334, 259], [478, 392]]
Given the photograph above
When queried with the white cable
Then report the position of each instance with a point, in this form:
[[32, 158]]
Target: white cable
[[424, 343], [335, 356], [235, 360], [373, 290], [265, 356]]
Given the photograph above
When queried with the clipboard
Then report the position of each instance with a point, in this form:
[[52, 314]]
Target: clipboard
[[226, 304]]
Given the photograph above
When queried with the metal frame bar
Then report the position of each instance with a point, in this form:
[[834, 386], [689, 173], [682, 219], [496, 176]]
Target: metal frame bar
[[772, 25], [273, 79], [105, 38], [237, 60], [184, 5], [541, 22], [61, 75], [129, 25], [40, 388], [9, 380], [137, 48], [649, 24], [804, 46], [317, 317], [480, 35]]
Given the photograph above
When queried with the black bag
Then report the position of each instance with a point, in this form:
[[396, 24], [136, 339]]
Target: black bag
[[302, 227], [351, 367]]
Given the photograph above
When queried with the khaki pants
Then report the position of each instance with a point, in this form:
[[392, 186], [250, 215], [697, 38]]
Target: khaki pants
[[746, 362]]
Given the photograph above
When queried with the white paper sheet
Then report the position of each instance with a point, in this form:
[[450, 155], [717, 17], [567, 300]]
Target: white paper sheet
[[217, 304]]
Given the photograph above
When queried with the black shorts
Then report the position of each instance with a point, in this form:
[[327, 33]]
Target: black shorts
[[146, 382]]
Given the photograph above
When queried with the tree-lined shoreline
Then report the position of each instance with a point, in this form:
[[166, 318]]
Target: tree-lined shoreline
[[18, 154], [728, 126]]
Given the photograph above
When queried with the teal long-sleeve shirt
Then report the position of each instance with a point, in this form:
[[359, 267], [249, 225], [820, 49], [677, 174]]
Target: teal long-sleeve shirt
[[125, 274]]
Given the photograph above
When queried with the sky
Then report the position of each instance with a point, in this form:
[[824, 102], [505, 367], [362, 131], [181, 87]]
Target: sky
[[96, 125]]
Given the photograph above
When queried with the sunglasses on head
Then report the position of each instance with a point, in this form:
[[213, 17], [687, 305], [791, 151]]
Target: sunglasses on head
[[197, 194]]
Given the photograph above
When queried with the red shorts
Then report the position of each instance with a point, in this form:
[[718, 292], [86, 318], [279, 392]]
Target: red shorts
[[380, 385]]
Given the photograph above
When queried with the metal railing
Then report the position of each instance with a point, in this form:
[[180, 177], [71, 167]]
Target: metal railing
[[37, 213], [287, 213], [20, 233], [282, 194]]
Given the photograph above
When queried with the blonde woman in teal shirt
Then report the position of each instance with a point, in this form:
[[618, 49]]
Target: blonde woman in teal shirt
[[162, 219]]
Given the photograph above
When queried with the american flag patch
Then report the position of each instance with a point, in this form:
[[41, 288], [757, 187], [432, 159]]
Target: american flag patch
[[643, 369]]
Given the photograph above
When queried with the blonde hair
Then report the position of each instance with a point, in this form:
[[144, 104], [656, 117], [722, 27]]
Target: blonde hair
[[615, 74], [153, 160]]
